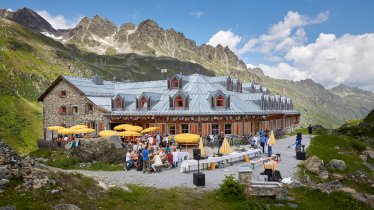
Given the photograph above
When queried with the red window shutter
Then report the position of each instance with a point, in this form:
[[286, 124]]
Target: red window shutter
[[60, 110]]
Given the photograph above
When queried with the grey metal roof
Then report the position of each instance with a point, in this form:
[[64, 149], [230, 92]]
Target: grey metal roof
[[198, 88]]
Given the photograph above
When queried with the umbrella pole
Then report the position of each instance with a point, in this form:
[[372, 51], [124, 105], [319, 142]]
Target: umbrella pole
[[52, 135]]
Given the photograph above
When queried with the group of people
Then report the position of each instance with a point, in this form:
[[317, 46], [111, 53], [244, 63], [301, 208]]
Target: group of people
[[148, 157]]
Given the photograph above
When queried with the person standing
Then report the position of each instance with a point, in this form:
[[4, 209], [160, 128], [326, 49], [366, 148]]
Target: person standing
[[220, 140], [310, 130], [145, 154], [263, 143]]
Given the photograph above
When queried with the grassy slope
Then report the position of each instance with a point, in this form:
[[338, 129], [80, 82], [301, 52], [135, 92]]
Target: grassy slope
[[83, 192], [328, 147]]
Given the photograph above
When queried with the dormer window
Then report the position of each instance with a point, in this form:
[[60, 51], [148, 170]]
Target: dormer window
[[220, 101], [118, 103], [179, 102], [143, 102], [175, 83]]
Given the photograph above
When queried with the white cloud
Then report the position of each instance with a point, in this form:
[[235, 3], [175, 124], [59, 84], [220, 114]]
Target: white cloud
[[197, 13], [59, 21], [249, 65], [283, 71], [284, 35], [225, 38]]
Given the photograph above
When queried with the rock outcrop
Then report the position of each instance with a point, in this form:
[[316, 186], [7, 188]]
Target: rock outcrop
[[26, 169], [102, 149], [316, 165]]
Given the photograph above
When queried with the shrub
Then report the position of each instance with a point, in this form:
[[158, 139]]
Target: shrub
[[230, 188]]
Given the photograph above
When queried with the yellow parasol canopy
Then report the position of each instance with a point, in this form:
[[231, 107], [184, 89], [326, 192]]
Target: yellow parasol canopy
[[106, 133], [186, 138], [76, 127], [85, 130], [150, 129], [55, 128], [129, 133], [134, 128], [66, 131], [271, 138], [201, 147], [122, 127], [225, 148]]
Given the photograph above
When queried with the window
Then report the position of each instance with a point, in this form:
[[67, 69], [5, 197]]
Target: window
[[89, 108], [62, 110], [179, 102], [118, 103], [174, 83], [227, 128], [62, 94], [143, 102], [184, 128], [74, 110], [215, 130], [172, 129], [220, 101]]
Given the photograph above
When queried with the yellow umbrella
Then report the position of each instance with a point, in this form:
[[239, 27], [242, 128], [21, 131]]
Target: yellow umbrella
[[66, 131], [122, 127], [76, 127], [201, 147], [129, 133], [106, 133], [225, 148], [55, 128], [134, 128], [150, 129], [186, 138], [85, 130], [271, 138]]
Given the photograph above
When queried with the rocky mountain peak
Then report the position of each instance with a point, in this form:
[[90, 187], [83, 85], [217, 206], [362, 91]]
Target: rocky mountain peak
[[102, 27], [29, 19], [148, 24], [84, 23]]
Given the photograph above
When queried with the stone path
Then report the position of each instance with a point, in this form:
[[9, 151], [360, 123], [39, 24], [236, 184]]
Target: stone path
[[169, 178]]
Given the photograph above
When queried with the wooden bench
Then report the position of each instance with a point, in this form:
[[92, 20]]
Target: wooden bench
[[158, 167], [263, 160]]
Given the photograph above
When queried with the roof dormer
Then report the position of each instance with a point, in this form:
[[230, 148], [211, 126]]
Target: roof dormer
[[118, 103], [147, 99], [179, 100], [219, 100], [175, 82]]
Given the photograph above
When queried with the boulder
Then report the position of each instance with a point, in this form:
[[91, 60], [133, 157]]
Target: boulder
[[315, 165], [335, 176], [329, 187], [100, 149], [337, 164], [3, 183], [8, 208], [65, 207], [369, 154]]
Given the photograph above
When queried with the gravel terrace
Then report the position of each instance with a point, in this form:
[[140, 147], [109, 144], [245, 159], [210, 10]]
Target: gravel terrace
[[169, 178]]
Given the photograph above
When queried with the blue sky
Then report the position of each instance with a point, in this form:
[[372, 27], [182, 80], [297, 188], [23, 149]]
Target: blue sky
[[253, 29]]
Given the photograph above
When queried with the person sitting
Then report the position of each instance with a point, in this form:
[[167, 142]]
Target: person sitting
[[252, 141], [157, 162], [167, 149], [175, 157], [162, 154], [129, 161], [170, 159]]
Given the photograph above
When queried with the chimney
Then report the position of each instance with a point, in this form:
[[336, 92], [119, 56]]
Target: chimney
[[98, 80]]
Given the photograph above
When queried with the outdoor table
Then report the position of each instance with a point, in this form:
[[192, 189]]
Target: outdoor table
[[189, 165]]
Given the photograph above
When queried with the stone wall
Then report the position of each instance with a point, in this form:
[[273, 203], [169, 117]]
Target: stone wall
[[53, 101]]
